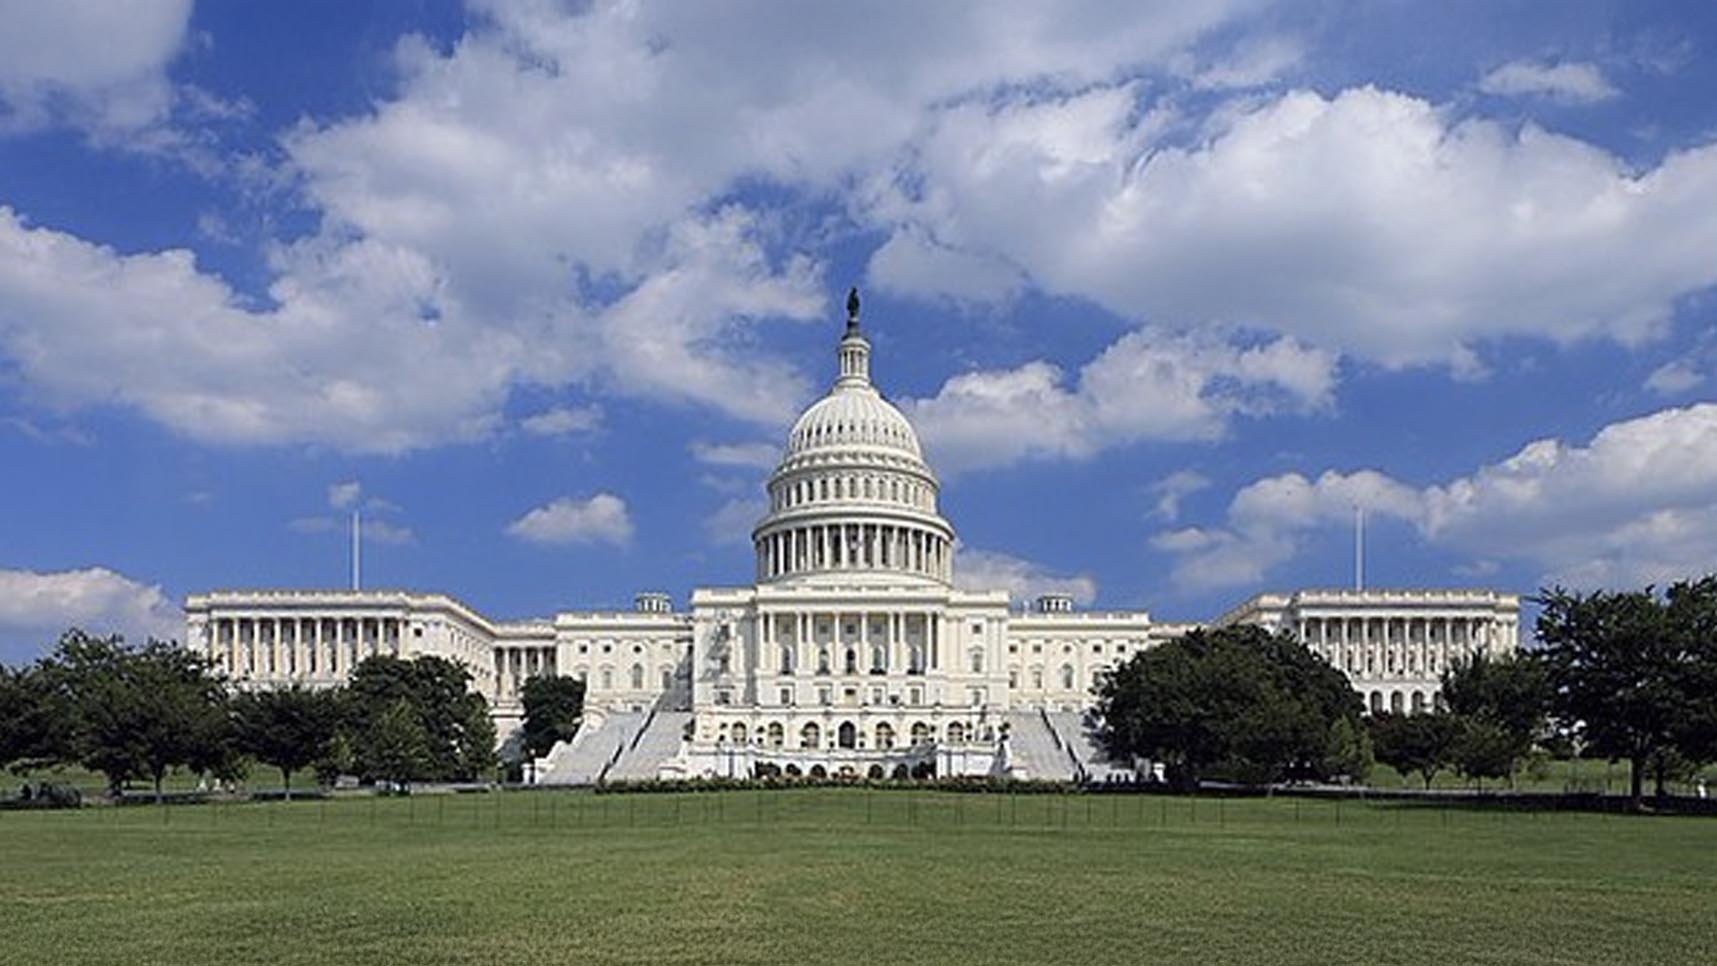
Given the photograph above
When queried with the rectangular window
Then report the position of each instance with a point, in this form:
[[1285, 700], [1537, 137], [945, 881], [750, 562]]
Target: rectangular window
[[915, 696], [787, 697], [825, 696]]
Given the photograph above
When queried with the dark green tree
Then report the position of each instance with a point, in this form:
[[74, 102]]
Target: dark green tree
[[554, 706], [136, 712], [1620, 664], [396, 747], [458, 736], [1421, 744], [1235, 701], [35, 725], [290, 728], [1500, 707]]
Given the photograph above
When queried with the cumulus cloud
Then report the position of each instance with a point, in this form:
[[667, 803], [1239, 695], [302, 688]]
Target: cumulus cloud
[[85, 325], [602, 518], [35, 606], [1022, 579], [1440, 233], [1148, 385], [1572, 81], [1636, 503], [95, 63]]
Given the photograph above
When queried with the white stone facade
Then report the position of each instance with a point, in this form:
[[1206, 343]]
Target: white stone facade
[[852, 653], [1393, 645]]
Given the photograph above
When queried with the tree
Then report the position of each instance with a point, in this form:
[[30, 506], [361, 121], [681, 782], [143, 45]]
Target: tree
[[35, 727], [1421, 744], [396, 746], [1235, 701], [290, 728], [1620, 664], [1349, 753], [554, 706], [1500, 708], [459, 739], [136, 712]]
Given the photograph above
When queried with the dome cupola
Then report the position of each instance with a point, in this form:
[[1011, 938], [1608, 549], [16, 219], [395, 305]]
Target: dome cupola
[[853, 495]]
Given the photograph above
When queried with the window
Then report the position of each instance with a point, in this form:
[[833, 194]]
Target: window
[[810, 736], [787, 697], [977, 660], [825, 696], [723, 696], [977, 628], [1067, 677], [915, 695], [884, 735], [667, 679], [786, 659], [777, 735]]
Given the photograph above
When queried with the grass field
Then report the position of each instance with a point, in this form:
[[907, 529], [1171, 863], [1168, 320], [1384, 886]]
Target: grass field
[[851, 876]]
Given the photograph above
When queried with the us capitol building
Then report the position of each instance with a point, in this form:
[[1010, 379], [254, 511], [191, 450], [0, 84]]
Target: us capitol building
[[852, 653]]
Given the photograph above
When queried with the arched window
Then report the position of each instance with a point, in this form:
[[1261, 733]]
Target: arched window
[[1037, 678], [956, 733], [1377, 702], [915, 660], [847, 735], [1067, 677], [637, 677], [786, 659], [667, 679], [823, 489], [777, 734], [1418, 702], [1396, 703], [884, 735], [878, 658], [852, 660], [977, 660], [920, 733], [822, 660], [607, 679], [810, 736], [739, 733]]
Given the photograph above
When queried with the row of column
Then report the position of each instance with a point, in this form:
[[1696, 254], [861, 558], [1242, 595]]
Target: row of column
[[282, 648], [1373, 647], [515, 665], [797, 652], [853, 546]]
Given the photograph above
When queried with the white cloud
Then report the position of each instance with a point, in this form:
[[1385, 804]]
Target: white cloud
[[85, 325], [1441, 232], [344, 496], [1637, 503], [1172, 489], [1022, 579], [911, 264], [563, 421], [95, 599], [1148, 385], [1571, 81], [96, 63], [1674, 378], [601, 519], [757, 456]]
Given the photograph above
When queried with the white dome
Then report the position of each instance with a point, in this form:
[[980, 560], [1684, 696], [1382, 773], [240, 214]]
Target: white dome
[[853, 417], [852, 497]]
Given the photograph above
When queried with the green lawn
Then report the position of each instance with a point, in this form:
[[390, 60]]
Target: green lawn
[[836, 876]]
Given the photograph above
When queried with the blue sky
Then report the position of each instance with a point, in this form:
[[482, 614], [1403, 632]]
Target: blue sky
[[539, 286]]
